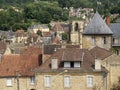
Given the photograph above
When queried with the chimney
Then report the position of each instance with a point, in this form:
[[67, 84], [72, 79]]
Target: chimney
[[108, 20], [54, 63], [97, 64]]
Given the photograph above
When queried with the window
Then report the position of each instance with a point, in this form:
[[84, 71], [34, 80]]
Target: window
[[76, 27], [90, 81], [71, 64], [117, 52], [67, 81], [67, 64], [104, 40], [47, 81], [76, 64], [93, 40], [32, 80], [9, 81]]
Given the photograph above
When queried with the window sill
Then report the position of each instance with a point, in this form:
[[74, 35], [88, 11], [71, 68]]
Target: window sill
[[9, 85]]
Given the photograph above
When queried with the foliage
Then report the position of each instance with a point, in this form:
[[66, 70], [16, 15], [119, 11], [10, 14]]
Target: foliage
[[39, 33], [19, 14], [64, 36]]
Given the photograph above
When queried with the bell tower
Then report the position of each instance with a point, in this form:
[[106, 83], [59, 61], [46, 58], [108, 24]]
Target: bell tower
[[76, 32]]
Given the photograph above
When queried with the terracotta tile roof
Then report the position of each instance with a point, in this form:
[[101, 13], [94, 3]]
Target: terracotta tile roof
[[50, 49], [20, 33], [83, 55], [100, 53], [72, 46], [56, 40], [2, 47], [72, 55], [46, 34], [32, 37], [88, 59], [60, 26], [23, 64]]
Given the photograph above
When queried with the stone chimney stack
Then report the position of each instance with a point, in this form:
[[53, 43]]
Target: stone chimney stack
[[97, 64], [108, 20], [54, 63]]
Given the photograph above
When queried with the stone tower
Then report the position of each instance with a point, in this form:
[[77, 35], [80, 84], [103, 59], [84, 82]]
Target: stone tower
[[76, 32]]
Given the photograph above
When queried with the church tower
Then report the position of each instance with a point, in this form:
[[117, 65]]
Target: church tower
[[76, 32]]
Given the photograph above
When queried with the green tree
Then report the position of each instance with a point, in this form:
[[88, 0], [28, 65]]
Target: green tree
[[64, 36]]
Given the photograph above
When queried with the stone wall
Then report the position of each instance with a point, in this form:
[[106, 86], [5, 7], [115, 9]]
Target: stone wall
[[24, 84], [78, 81]]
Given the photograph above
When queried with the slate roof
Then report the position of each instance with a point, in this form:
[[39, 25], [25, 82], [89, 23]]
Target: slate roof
[[97, 26], [115, 27]]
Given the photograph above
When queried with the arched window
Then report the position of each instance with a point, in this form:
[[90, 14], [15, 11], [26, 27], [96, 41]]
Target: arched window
[[76, 27]]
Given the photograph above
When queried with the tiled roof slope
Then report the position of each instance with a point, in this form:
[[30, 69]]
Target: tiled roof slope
[[97, 26], [100, 53], [22, 64], [115, 27], [83, 55]]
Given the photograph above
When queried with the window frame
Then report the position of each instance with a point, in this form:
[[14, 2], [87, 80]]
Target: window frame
[[47, 83], [67, 66], [67, 81], [76, 64], [9, 81], [104, 40], [32, 80], [93, 40], [90, 80]]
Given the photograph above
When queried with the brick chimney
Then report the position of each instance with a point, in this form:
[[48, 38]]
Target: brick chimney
[[108, 20]]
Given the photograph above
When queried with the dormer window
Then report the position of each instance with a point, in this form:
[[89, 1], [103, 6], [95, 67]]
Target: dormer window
[[76, 64], [67, 64], [73, 64]]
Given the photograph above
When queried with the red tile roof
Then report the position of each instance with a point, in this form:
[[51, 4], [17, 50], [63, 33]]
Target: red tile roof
[[69, 54], [100, 53], [22, 64]]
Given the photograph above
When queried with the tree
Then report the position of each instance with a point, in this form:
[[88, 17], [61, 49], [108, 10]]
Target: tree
[[39, 33], [64, 36]]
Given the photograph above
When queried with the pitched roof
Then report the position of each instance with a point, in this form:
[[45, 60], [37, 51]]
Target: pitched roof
[[60, 26], [23, 64], [87, 60], [97, 26], [50, 49], [115, 27], [72, 55], [100, 53]]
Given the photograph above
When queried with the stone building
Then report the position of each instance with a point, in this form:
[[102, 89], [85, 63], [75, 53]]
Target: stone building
[[72, 69], [76, 32], [16, 70], [97, 33]]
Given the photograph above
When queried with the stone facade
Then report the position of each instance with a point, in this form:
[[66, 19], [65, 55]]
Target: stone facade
[[24, 84], [112, 64], [78, 81], [103, 41]]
